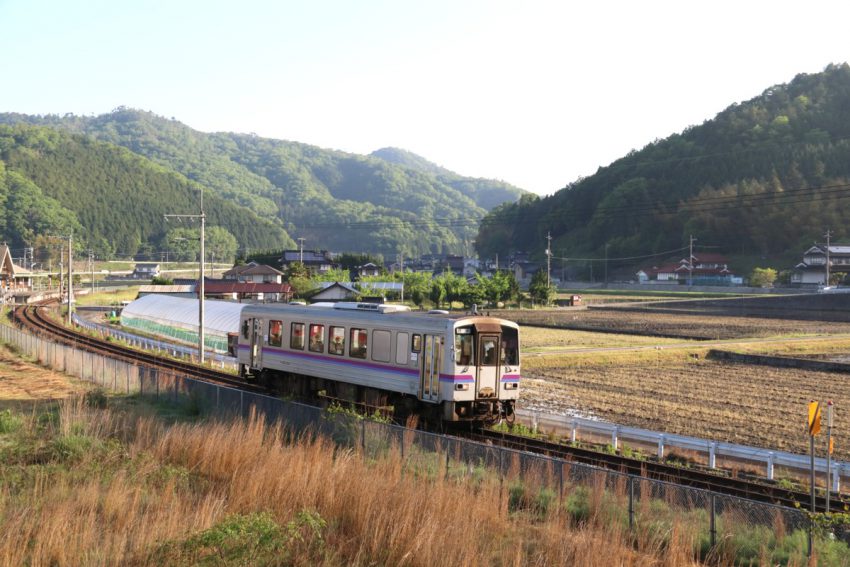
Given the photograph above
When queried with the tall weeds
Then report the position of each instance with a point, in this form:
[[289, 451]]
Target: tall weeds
[[134, 491]]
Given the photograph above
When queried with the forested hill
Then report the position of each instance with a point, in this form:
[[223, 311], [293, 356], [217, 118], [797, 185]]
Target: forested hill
[[765, 176], [487, 193], [53, 182], [335, 200]]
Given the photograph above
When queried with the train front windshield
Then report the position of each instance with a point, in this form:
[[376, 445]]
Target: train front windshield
[[507, 353]]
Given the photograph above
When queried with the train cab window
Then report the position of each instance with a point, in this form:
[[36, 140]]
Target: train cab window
[[296, 340], [381, 345], [246, 327], [489, 351], [510, 346], [317, 338], [357, 348], [464, 347], [275, 333], [401, 348], [336, 341], [416, 343]]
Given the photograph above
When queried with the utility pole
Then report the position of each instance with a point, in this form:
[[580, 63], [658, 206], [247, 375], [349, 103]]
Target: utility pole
[[91, 269], [301, 250], [606, 264], [548, 260], [70, 277], [828, 236], [201, 292], [401, 261], [61, 274], [691, 261]]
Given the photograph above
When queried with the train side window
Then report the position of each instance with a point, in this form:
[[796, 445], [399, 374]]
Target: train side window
[[359, 340], [246, 326], [416, 343], [317, 338], [464, 347], [401, 348], [296, 340], [381, 345], [336, 341], [275, 333]]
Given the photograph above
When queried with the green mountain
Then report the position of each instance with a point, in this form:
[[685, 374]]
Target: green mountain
[[487, 193], [766, 176], [335, 200], [53, 182]]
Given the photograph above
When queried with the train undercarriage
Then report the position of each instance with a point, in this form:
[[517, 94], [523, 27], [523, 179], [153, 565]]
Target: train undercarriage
[[396, 405]]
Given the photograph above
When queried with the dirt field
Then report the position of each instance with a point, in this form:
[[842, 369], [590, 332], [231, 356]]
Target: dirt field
[[684, 325], [670, 391], [22, 382]]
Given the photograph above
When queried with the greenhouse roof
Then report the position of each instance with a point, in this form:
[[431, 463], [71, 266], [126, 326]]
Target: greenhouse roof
[[219, 316]]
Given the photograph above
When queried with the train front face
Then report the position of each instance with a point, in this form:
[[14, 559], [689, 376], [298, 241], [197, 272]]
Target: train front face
[[483, 376]]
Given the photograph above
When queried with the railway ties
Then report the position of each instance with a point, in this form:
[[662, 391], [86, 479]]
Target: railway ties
[[693, 478], [34, 319]]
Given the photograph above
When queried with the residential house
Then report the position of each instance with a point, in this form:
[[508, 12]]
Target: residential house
[[253, 272], [318, 262], [812, 270], [335, 291], [145, 271], [368, 269], [701, 269]]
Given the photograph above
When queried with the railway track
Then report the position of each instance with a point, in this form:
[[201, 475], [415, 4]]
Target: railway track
[[34, 319], [714, 481]]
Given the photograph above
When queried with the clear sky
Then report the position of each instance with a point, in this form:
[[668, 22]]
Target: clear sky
[[536, 93]]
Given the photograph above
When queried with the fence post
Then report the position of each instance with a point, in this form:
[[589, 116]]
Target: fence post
[[573, 432], [770, 466], [631, 502], [363, 435], [712, 457], [713, 520], [661, 447]]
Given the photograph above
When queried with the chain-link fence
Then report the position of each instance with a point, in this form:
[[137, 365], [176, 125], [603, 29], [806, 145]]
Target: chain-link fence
[[720, 526]]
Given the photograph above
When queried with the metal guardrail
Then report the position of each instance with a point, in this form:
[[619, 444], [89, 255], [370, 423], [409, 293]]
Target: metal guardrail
[[712, 449]]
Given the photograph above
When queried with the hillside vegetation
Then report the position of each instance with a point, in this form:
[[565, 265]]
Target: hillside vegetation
[[53, 182], [763, 177], [335, 200]]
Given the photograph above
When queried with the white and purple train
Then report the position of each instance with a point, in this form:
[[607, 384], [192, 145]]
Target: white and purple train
[[452, 367]]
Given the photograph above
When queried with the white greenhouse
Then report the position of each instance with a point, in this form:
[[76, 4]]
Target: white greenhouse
[[176, 318]]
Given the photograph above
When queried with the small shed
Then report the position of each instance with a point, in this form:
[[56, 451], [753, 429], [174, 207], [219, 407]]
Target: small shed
[[336, 291]]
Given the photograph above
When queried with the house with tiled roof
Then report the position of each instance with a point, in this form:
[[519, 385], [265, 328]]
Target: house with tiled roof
[[252, 272], [812, 270], [700, 269]]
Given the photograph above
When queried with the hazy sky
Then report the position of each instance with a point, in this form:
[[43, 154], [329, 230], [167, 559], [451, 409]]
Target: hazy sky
[[536, 93]]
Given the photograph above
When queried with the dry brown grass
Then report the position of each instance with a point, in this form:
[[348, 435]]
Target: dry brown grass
[[138, 489], [23, 382]]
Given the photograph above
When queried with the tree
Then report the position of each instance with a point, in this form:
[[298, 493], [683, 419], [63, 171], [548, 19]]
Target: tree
[[220, 244], [438, 293], [762, 277], [539, 289]]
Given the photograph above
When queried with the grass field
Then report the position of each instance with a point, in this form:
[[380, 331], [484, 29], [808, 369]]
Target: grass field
[[106, 298]]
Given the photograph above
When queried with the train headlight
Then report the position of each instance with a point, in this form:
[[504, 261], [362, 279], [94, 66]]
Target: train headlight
[[461, 387]]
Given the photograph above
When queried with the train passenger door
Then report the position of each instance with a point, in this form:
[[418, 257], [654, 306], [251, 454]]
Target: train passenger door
[[256, 357], [487, 384], [429, 369]]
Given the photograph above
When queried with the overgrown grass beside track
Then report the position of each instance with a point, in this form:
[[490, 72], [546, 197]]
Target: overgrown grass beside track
[[87, 484]]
